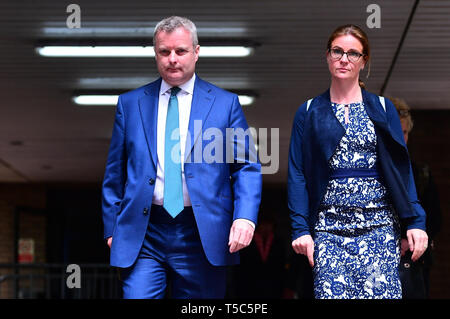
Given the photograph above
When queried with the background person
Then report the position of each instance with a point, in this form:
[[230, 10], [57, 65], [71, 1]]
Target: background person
[[429, 198]]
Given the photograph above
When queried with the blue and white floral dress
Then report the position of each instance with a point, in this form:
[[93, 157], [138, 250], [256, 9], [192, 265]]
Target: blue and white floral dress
[[357, 235]]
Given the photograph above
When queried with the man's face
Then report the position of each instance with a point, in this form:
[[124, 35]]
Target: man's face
[[175, 56], [405, 129]]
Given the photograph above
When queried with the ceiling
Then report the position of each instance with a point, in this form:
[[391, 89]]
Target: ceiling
[[44, 137]]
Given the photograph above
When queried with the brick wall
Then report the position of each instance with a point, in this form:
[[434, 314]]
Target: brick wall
[[6, 232], [32, 225], [6, 244]]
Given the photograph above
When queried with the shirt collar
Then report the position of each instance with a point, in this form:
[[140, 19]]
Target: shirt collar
[[187, 87]]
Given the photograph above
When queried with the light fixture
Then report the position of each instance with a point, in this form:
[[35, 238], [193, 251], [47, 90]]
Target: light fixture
[[111, 83], [111, 99], [126, 83], [144, 29], [95, 99], [246, 99], [134, 51]]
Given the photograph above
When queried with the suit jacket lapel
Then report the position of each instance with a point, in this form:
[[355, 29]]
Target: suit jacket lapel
[[202, 101], [148, 107]]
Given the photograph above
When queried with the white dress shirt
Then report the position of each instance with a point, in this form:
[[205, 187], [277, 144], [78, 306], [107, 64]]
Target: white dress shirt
[[184, 111]]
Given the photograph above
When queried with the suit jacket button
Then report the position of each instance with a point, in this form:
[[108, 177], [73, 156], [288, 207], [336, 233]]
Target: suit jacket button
[[151, 181], [145, 211]]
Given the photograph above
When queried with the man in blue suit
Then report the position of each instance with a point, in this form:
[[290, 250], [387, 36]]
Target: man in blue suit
[[174, 213]]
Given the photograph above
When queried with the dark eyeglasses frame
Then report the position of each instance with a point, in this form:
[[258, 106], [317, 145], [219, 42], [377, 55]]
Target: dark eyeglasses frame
[[403, 113], [346, 52]]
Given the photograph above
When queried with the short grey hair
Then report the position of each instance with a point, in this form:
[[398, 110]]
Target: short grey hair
[[172, 23]]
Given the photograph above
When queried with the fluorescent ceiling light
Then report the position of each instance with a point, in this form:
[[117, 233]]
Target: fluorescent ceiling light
[[225, 51], [133, 31], [135, 51], [246, 99], [112, 99], [97, 51], [110, 83], [96, 99], [124, 83]]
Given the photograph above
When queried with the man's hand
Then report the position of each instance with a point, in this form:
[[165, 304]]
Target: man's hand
[[109, 242], [305, 245], [241, 235]]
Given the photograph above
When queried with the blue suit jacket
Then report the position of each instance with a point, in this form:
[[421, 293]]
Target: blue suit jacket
[[316, 134], [219, 192]]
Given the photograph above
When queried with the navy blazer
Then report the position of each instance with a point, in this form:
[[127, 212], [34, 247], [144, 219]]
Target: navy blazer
[[316, 134], [220, 192]]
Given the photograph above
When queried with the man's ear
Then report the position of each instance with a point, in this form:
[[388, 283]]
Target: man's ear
[[197, 51]]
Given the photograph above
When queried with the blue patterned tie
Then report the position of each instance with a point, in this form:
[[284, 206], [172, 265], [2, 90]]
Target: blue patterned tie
[[173, 188]]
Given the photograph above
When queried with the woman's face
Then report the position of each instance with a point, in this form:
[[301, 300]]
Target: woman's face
[[344, 68]]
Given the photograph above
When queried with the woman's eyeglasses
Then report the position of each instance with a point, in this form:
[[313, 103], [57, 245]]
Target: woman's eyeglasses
[[352, 56]]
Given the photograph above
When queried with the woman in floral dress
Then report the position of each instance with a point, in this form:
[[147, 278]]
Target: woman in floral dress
[[351, 191]]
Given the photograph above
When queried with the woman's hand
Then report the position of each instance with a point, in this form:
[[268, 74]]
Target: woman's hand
[[109, 242], [305, 245], [417, 242]]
